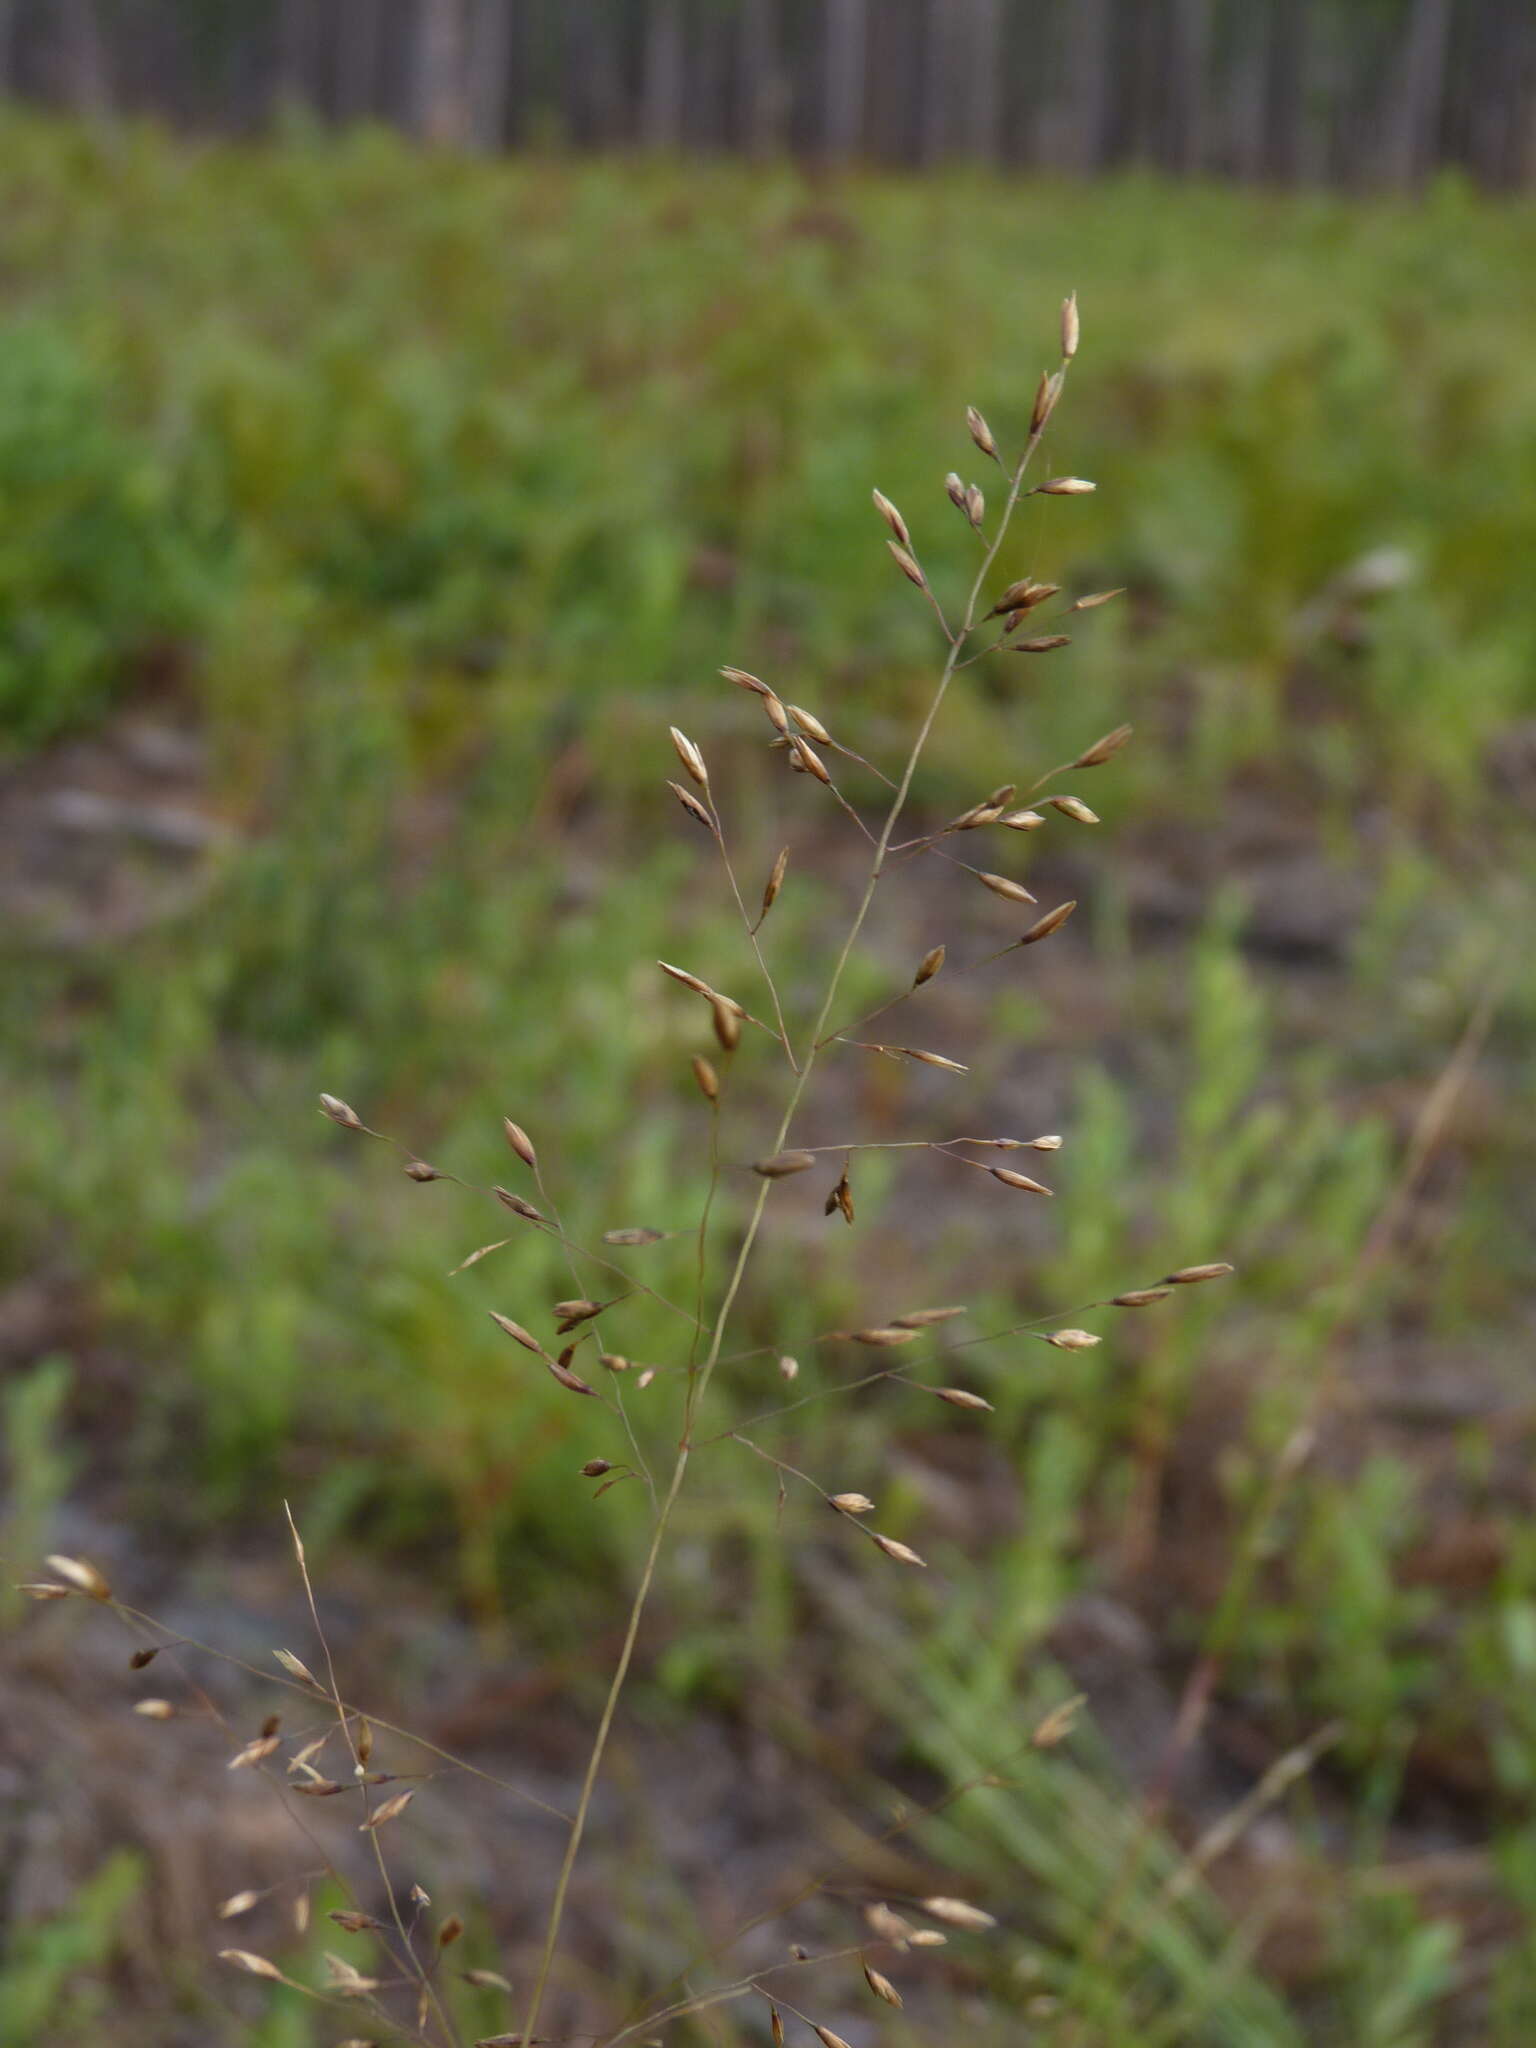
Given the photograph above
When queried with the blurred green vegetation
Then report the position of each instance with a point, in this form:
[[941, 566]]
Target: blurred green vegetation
[[425, 494]]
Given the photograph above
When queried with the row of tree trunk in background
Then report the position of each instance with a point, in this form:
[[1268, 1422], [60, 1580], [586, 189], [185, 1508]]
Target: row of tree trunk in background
[[1338, 91]]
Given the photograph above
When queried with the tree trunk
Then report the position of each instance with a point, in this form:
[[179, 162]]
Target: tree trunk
[[442, 72], [1410, 151], [491, 24], [1088, 89], [661, 103], [982, 81], [83, 58], [357, 60], [842, 120], [1188, 72], [763, 98], [1285, 90]]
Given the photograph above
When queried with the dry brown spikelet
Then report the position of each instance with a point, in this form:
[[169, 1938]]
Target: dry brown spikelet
[[707, 1078], [1003, 885], [689, 755], [1186, 1276], [929, 966], [975, 505], [981, 433], [81, 1575], [1065, 487], [1073, 807], [784, 1163], [1059, 1722], [341, 1113], [691, 805], [518, 1334], [727, 1022], [775, 881], [901, 1552], [517, 1205], [892, 518], [254, 1966], [924, 1318], [1021, 1181], [1140, 1297], [1103, 749], [907, 564], [808, 722], [744, 680], [883, 1336], [236, 1904], [827, 2038], [960, 1397], [882, 1987], [1071, 327], [521, 1143], [1071, 1340], [1041, 643], [1022, 821], [959, 1913], [851, 1503], [390, 1810], [1052, 921], [1095, 598]]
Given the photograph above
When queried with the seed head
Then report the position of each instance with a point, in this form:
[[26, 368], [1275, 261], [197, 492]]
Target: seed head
[[900, 1551], [1095, 598], [959, 1397], [783, 1164], [1072, 1340], [1065, 487], [692, 806], [775, 881], [892, 518], [254, 1966], [1001, 885], [80, 1574], [1022, 821], [925, 1318], [341, 1113], [975, 505], [155, 1710], [882, 1987], [1104, 749], [1052, 921], [956, 491], [521, 1143], [518, 1334], [745, 681], [1186, 1276], [808, 722], [981, 433], [1046, 394], [958, 1913], [1071, 330], [418, 1169], [774, 710], [789, 1368], [689, 755], [1059, 1722], [727, 1023], [707, 1078], [810, 760], [1041, 643], [1021, 1181], [907, 564], [1140, 1297], [517, 1205], [852, 1503], [928, 966], [1073, 807]]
